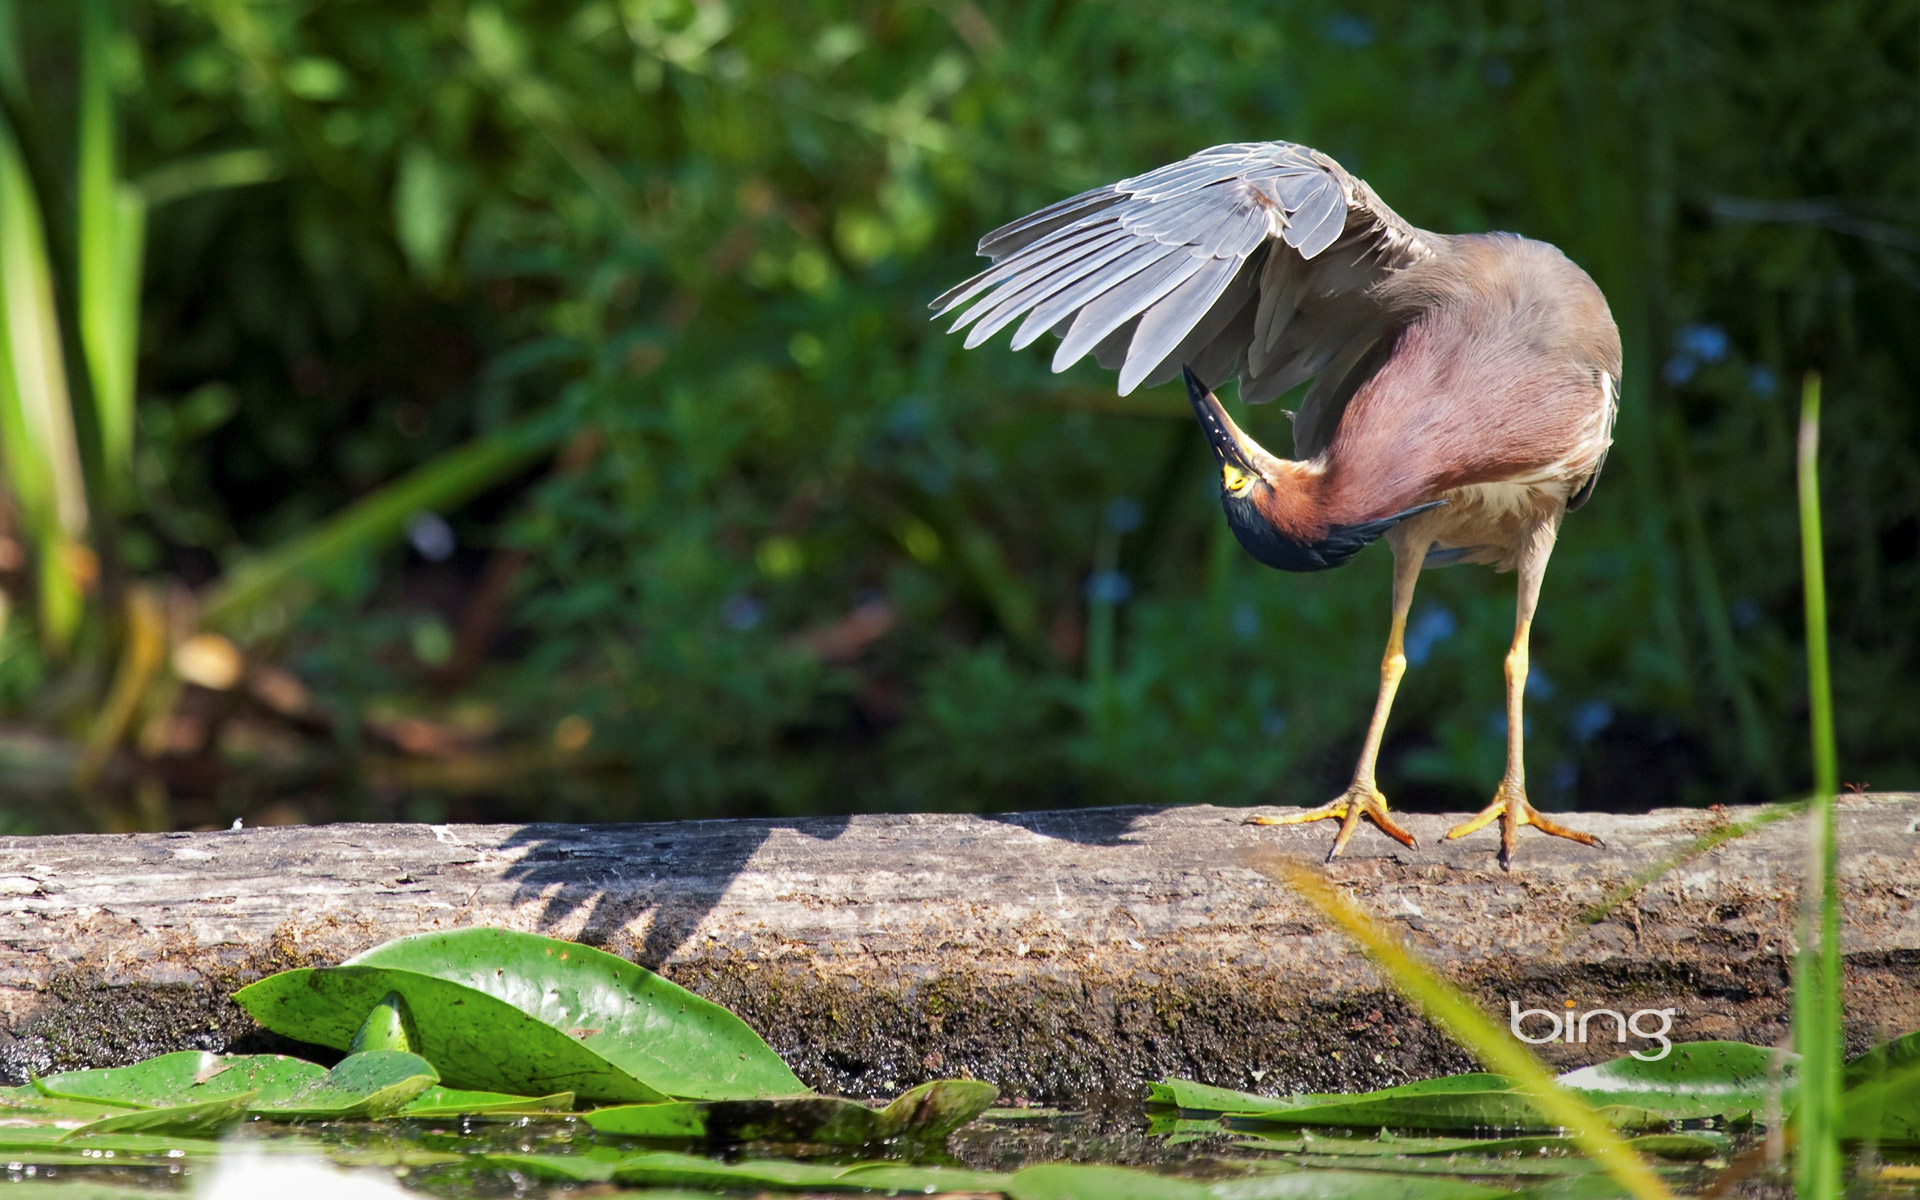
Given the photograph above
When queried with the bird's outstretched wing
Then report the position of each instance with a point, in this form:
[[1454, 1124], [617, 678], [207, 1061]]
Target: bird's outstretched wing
[[1256, 260]]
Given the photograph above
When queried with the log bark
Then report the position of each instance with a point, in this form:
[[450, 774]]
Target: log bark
[[1067, 956]]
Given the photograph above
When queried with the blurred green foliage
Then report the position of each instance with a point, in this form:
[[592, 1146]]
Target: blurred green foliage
[[798, 552]]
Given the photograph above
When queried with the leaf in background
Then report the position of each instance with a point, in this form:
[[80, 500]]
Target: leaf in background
[[904, 1177], [1189, 1096], [424, 210], [1075, 1181], [373, 1083], [472, 1039], [36, 416], [927, 1113], [388, 1027], [112, 232], [1347, 1185], [1697, 1079], [185, 1077], [679, 1043], [673, 1119], [1884, 1108], [453, 1102], [1884, 1059], [205, 1116]]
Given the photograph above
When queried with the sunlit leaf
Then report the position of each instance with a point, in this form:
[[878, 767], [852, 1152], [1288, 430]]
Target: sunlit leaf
[[372, 1083], [185, 1077], [454, 1102], [472, 1039], [679, 1043]]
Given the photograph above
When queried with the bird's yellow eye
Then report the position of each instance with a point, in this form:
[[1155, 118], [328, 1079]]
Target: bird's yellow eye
[[1234, 479]]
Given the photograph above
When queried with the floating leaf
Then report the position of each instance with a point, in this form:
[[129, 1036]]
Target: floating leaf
[[388, 1027], [657, 1031], [934, 1110], [1076, 1181], [453, 1102], [1688, 1146], [185, 1077], [471, 1038], [1347, 1185], [1697, 1079], [205, 1116], [1199, 1097], [928, 1112], [1885, 1059], [901, 1177], [373, 1083], [673, 1119]]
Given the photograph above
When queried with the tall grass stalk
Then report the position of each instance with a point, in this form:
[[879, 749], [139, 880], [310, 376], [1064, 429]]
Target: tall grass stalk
[[41, 452], [274, 579], [1818, 966], [112, 234], [1455, 1012]]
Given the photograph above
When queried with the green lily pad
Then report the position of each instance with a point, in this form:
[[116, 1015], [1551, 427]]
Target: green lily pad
[[372, 1083], [671, 1119], [1347, 1185], [934, 1110], [453, 1102], [1199, 1097], [203, 1116], [668, 1168], [22, 1144], [388, 1027], [1701, 1079], [1683, 1146], [680, 1044], [1697, 1079], [928, 1112], [903, 1177], [664, 1169], [185, 1077], [473, 1039], [1077, 1181]]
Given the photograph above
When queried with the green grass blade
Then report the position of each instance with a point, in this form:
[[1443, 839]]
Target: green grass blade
[[248, 589], [112, 227], [221, 169], [40, 450], [1453, 1011], [1816, 977]]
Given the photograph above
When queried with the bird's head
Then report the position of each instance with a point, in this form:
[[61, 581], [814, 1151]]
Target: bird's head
[[1272, 504]]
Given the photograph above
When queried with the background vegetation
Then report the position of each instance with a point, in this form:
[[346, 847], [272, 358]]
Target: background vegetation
[[501, 410]]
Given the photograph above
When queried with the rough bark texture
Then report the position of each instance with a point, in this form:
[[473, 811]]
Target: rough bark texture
[[1067, 956]]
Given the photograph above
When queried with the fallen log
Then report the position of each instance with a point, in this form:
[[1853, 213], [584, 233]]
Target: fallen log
[[1067, 956]]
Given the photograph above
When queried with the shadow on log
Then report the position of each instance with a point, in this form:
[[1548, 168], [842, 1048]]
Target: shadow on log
[[1066, 956]]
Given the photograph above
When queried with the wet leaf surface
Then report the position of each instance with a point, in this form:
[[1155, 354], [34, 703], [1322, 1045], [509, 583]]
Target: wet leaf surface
[[678, 1043], [474, 1040], [372, 1083], [186, 1077], [928, 1112]]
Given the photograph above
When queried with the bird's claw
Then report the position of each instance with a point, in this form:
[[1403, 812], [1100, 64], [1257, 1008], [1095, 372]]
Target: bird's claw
[[1361, 800], [1512, 809]]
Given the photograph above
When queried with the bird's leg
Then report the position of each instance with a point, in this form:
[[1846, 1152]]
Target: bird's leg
[[1363, 798], [1510, 805]]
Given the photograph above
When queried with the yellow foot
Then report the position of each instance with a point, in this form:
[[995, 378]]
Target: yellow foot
[[1361, 800], [1511, 808]]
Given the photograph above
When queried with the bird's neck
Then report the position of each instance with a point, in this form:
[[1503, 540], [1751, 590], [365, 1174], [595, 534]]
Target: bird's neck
[[1295, 500]]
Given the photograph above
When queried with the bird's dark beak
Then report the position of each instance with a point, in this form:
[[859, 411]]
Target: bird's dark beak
[[1235, 450]]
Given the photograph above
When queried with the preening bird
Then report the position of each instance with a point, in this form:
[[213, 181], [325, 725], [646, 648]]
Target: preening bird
[[1463, 386]]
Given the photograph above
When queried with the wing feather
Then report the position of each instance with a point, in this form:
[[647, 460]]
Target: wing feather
[[1257, 259]]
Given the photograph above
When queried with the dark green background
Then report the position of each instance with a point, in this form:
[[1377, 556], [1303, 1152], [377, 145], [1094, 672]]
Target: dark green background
[[702, 236]]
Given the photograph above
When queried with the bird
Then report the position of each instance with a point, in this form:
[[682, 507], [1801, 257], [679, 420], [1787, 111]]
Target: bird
[[1460, 399]]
